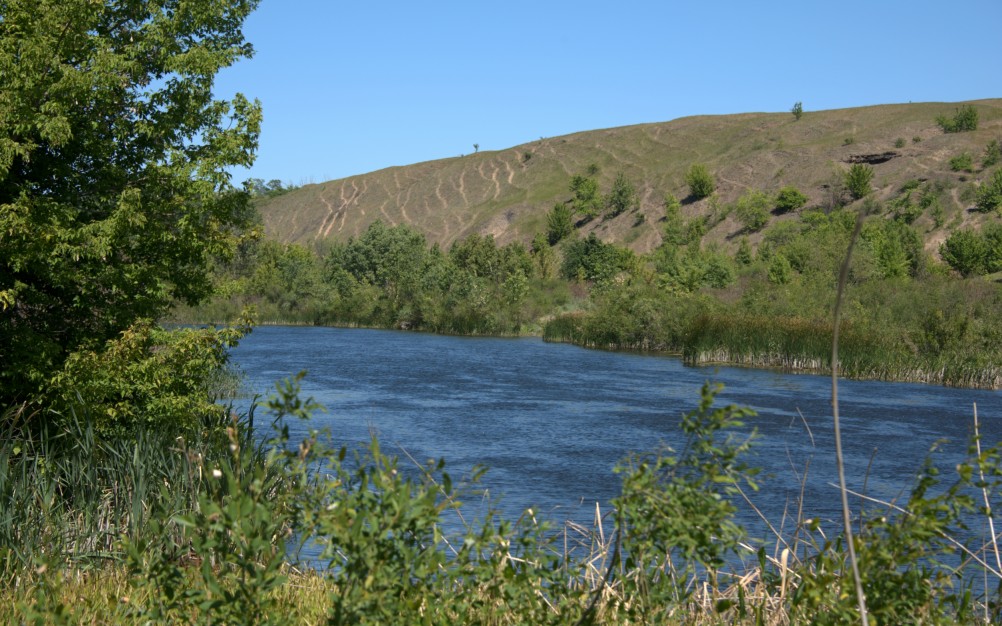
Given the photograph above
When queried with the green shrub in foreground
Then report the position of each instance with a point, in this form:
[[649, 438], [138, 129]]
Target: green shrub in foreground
[[675, 555]]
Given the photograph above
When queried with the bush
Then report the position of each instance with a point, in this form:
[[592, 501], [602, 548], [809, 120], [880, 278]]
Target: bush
[[789, 199], [966, 251], [622, 198], [752, 210], [989, 195], [858, 179], [962, 163], [559, 223], [992, 154], [700, 181], [965, 119], [780, 271]]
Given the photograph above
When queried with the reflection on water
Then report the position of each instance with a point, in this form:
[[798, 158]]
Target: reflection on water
[[552, 420]]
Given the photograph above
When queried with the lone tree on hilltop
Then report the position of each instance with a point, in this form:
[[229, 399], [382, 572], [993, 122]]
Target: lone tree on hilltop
[[797, 110]]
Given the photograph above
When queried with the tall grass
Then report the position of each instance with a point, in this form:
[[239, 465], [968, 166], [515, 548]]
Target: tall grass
[[68, 497]]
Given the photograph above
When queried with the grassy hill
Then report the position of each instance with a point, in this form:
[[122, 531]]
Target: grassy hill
[[507, 193]]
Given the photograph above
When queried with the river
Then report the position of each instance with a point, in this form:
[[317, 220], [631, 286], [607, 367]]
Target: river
[[551, 421]]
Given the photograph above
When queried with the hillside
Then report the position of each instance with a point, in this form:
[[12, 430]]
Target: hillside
[[507, 193]]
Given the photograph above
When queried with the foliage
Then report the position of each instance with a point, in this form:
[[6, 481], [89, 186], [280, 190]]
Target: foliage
[[752, 210], [964, 119], [743, 255], [780, 270], [963, 162], [675, 513], [559, 223], [622, 197], [674, 231], [903, 555], [114, 161], [993, 154], [858, 179], [700, 181], [147, 378], [989, 195], [797, 110], [974, 253], [586, 200], [592, 259], [789, 198], [379, 528], [897, 248], [257, 188]]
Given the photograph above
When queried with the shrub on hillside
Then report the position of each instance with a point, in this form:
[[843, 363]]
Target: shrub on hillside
[[789, 198], [989, 195], [963, 162], [752, 210], [623, 197], [965, 119], [993, 154], [559, 223], [858, 179], [700, 181]]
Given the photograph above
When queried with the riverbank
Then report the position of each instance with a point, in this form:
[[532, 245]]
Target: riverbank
[[787, 345]]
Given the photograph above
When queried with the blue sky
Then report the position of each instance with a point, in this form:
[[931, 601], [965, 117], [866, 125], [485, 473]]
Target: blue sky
[[352, 87]]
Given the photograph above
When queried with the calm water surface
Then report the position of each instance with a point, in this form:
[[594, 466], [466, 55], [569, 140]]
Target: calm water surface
[[552, 420]]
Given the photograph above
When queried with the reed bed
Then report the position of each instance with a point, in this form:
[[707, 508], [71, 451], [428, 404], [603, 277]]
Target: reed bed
[[785, 343]]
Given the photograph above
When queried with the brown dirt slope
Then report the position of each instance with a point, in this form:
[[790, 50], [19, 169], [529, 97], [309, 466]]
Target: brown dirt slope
[[507, 193]]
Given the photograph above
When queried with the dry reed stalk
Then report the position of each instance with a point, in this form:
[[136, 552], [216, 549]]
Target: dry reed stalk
[[984, 493], [839, 460], [960, 546]]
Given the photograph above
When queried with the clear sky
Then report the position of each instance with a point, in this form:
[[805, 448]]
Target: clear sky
[[352, 87]]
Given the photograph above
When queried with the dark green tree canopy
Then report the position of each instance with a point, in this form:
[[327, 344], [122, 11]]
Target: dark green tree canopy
[[114, 189]]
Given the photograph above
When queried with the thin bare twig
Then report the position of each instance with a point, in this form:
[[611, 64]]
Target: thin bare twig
[[984, 492], [846, 518]]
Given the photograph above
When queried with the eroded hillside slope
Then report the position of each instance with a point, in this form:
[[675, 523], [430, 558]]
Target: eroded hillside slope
[[507, 193]]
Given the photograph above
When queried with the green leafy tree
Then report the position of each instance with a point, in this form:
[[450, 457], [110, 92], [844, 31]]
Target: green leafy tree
[[593, 259], [964, 120], [700, 181], [743, 255], [587, 200], [752, 210], [858, 180], [789, 198], [966, 251], [559, 223], [543, 256], [989, 195], [780, 270], [622, 198], [797, 110], [115, 190], [993, 154]]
